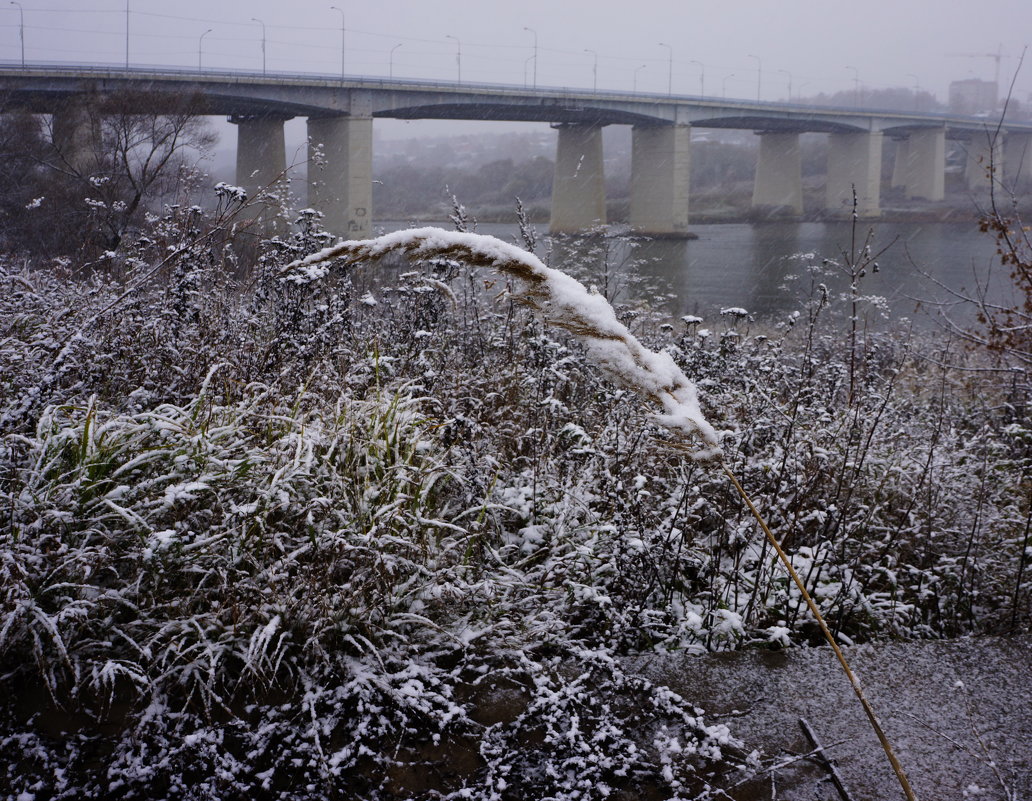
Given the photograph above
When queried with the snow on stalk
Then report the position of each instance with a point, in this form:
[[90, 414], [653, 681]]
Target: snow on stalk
[[561, 301]]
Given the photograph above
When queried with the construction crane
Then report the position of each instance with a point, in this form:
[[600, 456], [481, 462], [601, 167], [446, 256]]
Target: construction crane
[[997, 56]]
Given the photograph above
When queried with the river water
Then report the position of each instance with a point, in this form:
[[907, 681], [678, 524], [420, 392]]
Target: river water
[[751, 265]]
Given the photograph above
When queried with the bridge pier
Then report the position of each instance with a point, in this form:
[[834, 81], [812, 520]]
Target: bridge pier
[[340, 173], [261, 161], [660, 165], [75, 135], [983, 150], [899, 162], [854, 161], [778, 186], [920, 165], [1017, 160], [579, 187]]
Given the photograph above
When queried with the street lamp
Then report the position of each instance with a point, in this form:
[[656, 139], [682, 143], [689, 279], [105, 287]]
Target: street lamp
[[702, 77], [917, 88], [390, 60], [127, 35], [458, 55], [594, 70], [670, 70], [21, 29], [526, 63], [534, 33], [634, 85], [856, 86], [343, 33], [255, 19], [789, 74], [759, 75], [723, 85], [199, 43]]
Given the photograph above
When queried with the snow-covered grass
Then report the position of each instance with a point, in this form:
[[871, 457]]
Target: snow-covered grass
[[269, 538]]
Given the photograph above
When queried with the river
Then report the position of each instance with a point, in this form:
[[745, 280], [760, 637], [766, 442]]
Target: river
[[751, 265]]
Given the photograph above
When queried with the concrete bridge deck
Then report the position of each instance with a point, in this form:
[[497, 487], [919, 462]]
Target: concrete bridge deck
[[39, 87]]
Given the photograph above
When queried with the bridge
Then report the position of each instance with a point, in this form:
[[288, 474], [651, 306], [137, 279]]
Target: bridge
[[340, 112]]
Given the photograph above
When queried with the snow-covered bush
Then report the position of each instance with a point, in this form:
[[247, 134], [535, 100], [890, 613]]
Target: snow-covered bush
[[384, 535]]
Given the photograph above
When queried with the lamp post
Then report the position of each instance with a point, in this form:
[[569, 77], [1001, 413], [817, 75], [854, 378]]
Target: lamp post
[[759, 75], [343, 34], [21, 29], [723, 85], [634, 85], [526, 64], [534, 34], [594, 70], [702, 77], [199, 43], [458, 55], [127, 35], [856, 86], [917, 88], [789, 74], [390, 60], [255, 19], [670, 68]]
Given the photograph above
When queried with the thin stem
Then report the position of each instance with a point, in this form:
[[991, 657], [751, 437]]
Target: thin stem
[[1023, 549], [868, 709]]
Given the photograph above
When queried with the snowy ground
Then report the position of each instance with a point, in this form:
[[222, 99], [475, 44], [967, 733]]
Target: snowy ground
[[949, 707]]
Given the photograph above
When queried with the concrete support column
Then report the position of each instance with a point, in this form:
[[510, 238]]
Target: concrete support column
[[579, 187], [1017, 160], [983, 150], [899, 164], [340, 174], [778, 187], [924, 165], [75, 134], [261, 160], [660, 167], [854, 161]]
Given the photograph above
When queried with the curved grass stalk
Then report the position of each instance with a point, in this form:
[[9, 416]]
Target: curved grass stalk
[[561, 301]]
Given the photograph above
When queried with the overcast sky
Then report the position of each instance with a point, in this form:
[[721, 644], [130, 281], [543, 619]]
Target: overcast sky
[[820, 45]]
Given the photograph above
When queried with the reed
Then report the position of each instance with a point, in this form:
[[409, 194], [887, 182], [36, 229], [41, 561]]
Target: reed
[[561, 301]]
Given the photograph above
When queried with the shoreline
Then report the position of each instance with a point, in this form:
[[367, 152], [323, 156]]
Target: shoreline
[[938, 214]]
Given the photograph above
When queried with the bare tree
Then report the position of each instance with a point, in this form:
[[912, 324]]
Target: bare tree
[[109, 160], [1004, 326]]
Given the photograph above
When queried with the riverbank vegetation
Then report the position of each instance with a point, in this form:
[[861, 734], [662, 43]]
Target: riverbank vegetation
[[384, 535]]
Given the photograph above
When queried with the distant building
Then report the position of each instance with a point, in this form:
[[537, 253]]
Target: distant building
[[973, 96]]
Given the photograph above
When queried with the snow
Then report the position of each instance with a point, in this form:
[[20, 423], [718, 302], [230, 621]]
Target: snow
[[236, 194], [563, 302]]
